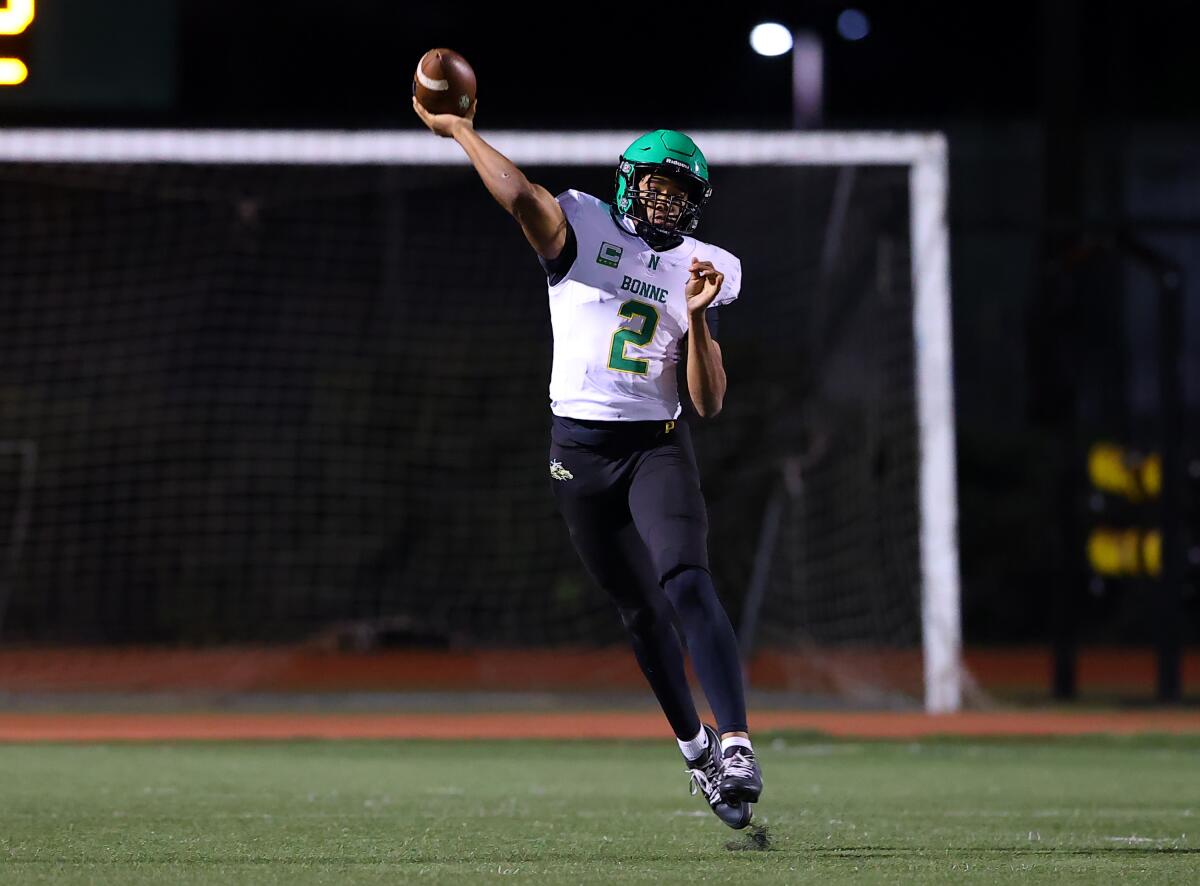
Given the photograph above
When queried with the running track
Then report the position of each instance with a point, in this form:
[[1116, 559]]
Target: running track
[[89, 727]]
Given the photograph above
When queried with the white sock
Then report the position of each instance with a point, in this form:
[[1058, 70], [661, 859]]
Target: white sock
[[735, 741], [695, 748]]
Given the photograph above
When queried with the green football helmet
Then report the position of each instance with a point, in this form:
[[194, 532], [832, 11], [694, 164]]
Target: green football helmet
[[668, 153]]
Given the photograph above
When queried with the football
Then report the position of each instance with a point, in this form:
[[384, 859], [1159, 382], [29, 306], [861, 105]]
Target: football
[[444, 82]]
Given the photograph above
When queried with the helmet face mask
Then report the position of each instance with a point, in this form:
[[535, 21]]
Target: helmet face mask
[[665, 212], [662, 154]]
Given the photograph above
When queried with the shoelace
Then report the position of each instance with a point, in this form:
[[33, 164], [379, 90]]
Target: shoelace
[[704, 779], [740, 765]]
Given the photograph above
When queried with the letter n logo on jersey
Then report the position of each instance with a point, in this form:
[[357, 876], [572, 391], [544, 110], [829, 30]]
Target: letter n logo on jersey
[[609, 255], [653, 263]]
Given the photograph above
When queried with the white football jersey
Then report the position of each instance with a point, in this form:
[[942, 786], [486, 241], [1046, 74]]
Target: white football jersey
[[620, 316]]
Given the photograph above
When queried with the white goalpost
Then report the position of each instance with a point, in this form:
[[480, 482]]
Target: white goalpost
[[923, 155]]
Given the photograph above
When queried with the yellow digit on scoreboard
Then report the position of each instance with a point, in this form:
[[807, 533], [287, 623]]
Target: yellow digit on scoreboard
[[15, 17], [12, 71]]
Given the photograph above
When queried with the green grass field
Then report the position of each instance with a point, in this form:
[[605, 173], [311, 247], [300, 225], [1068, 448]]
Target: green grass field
[[1064, 811]]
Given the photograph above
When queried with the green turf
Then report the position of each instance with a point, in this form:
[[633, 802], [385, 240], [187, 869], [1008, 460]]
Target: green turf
[[1090, 811]]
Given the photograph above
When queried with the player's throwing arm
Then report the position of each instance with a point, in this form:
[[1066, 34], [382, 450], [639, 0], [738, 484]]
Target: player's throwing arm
[[534, 208]]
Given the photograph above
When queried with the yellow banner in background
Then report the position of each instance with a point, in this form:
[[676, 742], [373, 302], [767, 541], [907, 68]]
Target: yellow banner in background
[[1118, 471], [1125, 552]]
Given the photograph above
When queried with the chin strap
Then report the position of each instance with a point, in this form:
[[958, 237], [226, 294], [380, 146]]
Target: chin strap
[[657, 240]]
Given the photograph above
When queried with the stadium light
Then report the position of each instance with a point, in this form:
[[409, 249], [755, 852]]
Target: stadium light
[[770, 39], [853, 24], [808, 67]]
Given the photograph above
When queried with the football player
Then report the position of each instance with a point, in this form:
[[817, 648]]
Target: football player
[[631, 293]]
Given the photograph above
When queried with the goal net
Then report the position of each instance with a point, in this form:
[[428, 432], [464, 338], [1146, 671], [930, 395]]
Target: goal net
[[260, 387]]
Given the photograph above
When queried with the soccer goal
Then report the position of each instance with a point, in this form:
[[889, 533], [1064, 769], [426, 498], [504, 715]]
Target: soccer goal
[[284, 381]]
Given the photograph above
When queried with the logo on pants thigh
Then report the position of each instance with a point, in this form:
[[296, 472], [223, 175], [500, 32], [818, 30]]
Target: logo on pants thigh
[[558, 472]]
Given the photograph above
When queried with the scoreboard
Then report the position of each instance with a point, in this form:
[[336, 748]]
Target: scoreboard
[[87, 54], [15, 18]]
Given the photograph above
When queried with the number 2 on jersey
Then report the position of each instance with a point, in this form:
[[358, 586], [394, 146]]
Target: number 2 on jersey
[[622, 337]]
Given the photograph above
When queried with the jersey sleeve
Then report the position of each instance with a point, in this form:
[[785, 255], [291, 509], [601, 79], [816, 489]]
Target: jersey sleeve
[[575, 206], [731, 266], [573, 203], [559, 267]]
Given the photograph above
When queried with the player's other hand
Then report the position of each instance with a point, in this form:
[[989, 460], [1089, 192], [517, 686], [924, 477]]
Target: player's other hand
[[704, 282], [445, 125]]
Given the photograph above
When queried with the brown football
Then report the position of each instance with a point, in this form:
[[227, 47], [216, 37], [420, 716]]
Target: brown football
[[444, 83]]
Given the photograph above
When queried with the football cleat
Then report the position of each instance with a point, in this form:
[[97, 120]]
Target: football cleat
[[741, 780], [706, 774]]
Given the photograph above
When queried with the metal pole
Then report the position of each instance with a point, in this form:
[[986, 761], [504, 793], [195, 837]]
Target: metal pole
[[1168, 609], [808, 80], [765, 552]]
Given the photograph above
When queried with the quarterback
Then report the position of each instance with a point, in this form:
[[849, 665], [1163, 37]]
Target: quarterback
[[631, 294]]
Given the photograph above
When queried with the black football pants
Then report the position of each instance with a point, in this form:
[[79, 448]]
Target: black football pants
[[630, 495]]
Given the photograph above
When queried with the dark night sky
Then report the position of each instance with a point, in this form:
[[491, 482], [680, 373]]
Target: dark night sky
[[921, 62], [310, 63]]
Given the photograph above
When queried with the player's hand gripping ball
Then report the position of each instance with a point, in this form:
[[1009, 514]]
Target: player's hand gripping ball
[[444, 83]]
